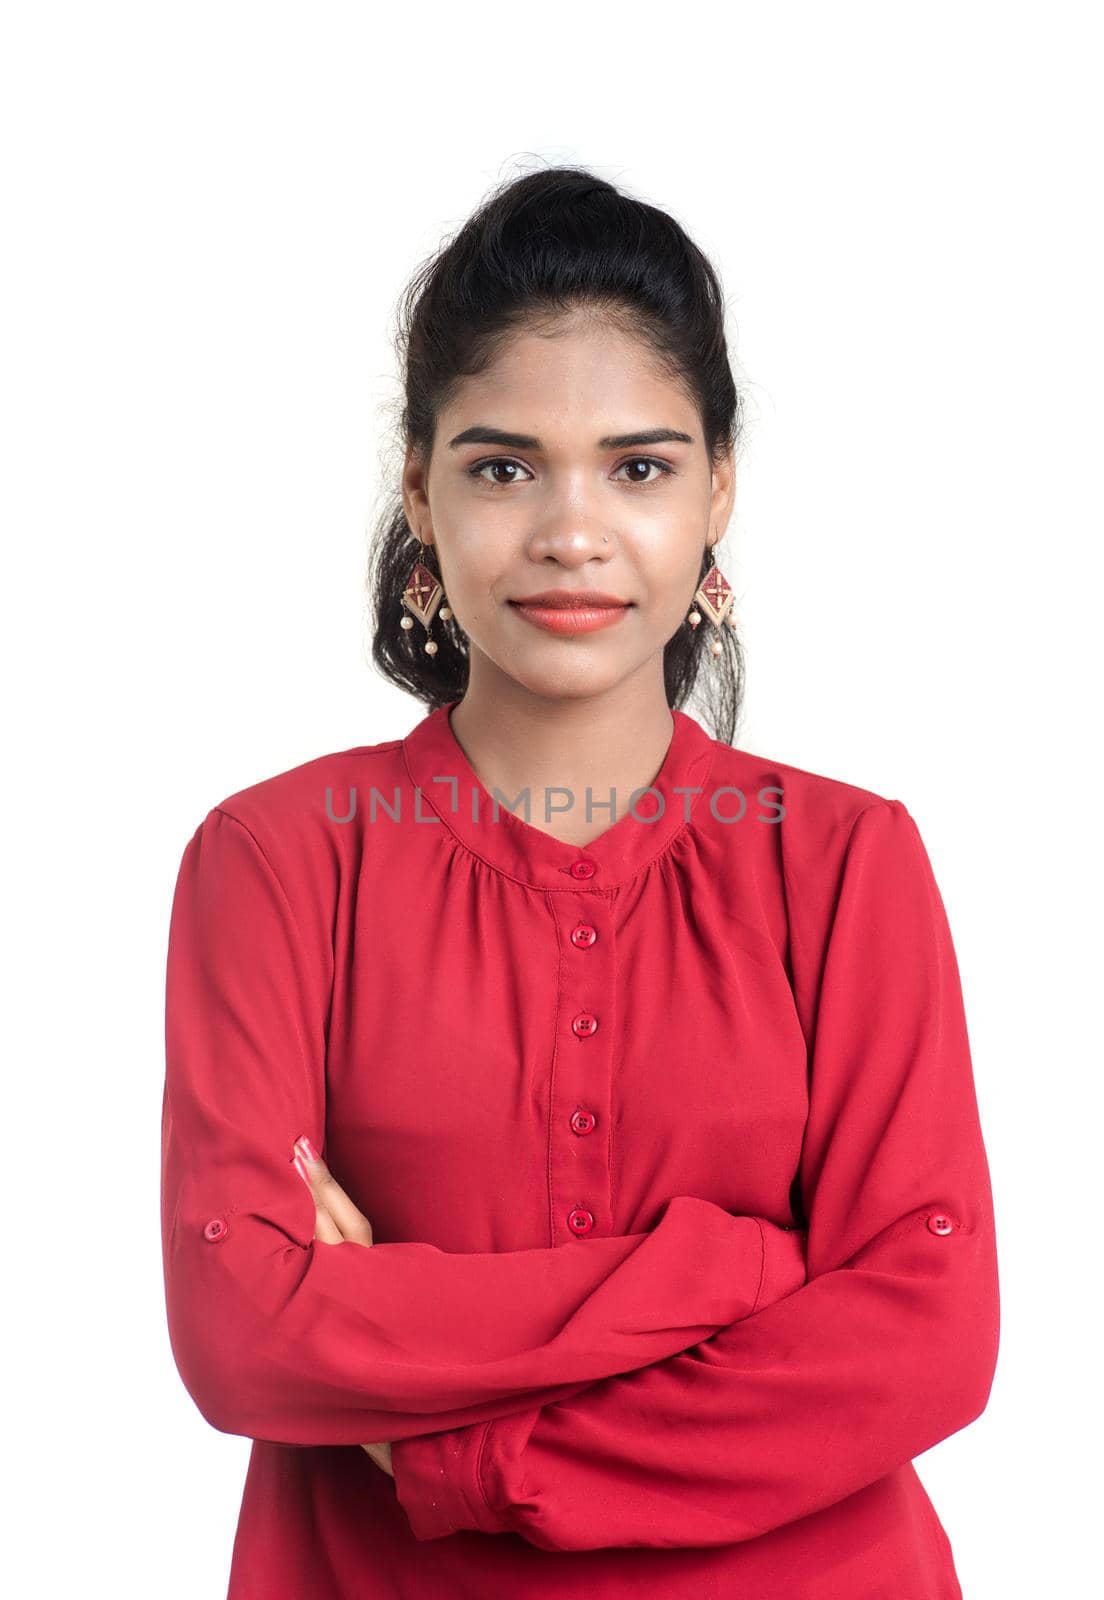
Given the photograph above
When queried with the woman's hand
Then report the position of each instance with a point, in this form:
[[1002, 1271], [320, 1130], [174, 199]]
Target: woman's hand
[[381, 1455], [336, 1219]]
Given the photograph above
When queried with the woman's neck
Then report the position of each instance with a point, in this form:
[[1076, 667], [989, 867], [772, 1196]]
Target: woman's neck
[[565, 751]]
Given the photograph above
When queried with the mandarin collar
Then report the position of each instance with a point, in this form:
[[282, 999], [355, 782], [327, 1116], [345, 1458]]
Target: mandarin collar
[[434, 758]]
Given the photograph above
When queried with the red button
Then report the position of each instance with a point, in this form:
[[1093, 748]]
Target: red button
[[940, 1224], [583, 868], [580, 1221], [216, 1229], [584, 1025], [583, 1121], [583, 936]]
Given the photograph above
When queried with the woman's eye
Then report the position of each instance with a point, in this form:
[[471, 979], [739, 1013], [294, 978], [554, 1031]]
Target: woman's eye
[[646, 461], [499, 464], [513, 470]]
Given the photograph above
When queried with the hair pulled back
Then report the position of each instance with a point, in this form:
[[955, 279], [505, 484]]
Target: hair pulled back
[[552, 242]]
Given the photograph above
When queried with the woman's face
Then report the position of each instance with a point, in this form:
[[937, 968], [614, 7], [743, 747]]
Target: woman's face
[[540, 479]]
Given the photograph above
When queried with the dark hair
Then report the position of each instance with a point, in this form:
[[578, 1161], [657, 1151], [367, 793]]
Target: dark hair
[[537, 247]]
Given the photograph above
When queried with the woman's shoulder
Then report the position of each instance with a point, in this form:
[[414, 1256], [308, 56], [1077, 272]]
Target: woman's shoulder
[[804, 833], [305, 784], [300, 816], [800, 799]]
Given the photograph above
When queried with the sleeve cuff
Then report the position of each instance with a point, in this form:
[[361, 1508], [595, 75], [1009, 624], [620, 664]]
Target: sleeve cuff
[[437, 1482], [784, 1263]]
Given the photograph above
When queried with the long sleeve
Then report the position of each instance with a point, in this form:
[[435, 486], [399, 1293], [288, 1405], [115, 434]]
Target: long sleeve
[[278, 1337], [889, 1347]]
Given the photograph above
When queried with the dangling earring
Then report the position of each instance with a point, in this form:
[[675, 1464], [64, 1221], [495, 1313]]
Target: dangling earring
[[715, 596], [422, 595]]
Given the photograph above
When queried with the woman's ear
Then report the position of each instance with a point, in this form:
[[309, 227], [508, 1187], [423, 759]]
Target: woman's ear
[[724, 494], [415, 498]]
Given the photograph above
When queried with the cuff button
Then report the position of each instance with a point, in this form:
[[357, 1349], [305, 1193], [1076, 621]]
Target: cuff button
[[938, 1223]]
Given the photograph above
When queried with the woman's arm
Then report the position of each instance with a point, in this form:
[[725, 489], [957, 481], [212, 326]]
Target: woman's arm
[[890, 1346], [277, 1339]]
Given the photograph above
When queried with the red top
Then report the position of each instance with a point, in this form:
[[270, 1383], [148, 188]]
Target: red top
[[684, 1243]]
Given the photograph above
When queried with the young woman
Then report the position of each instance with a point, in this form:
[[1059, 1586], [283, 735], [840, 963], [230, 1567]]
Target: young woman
[[572, 1174]]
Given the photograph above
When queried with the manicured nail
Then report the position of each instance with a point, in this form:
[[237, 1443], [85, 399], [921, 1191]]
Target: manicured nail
[[301, 1169], [308, 1151]]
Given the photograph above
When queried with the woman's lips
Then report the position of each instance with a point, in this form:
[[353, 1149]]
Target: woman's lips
[[569, 619]]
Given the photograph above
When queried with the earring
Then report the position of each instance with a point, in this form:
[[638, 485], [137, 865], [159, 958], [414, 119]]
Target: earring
[[715, 596], [422, 595]]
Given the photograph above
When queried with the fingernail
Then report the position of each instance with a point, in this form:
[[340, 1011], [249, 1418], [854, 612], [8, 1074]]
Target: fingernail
[[304, 1145], [301, 1169]]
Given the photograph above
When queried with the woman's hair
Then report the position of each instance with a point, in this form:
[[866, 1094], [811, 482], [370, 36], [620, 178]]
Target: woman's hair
[[539, 246]]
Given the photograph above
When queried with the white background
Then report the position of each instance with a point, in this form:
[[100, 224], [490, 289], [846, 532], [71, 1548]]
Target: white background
[[210, 211]]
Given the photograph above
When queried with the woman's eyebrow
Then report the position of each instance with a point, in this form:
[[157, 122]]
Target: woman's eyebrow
[[481, 434]]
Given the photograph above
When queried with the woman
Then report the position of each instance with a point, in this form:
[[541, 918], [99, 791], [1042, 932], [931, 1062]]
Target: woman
[[572, 1173]]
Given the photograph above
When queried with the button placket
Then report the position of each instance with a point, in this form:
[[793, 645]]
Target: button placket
[[582, 1085]]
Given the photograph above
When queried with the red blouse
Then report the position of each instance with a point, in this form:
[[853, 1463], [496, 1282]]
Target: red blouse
[[684, 1243]]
